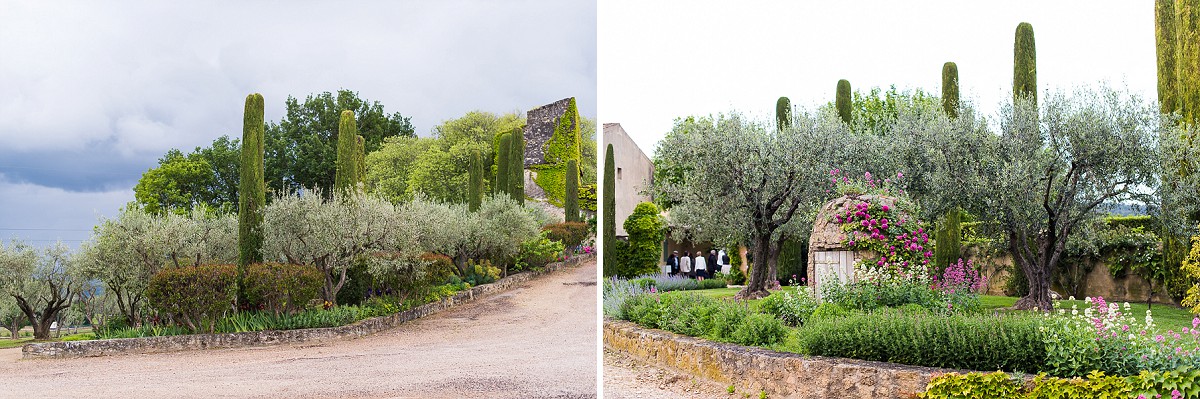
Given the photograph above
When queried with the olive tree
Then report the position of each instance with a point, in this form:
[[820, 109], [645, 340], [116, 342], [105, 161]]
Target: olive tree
[[43, 283], [746, 182], [1086, 152], [125, 252], [11, 316], [306, 229]]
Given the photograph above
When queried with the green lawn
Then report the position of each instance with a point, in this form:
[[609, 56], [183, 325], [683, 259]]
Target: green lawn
[[1166, 317], [9, 343], [84, 334]]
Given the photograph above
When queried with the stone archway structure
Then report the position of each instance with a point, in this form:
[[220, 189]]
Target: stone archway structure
[[827, 252]]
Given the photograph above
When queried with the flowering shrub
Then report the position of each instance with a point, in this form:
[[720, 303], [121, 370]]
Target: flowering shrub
[[792, 308], [1108, 338], [960, 277], [616, 292], [664, 283], [892, 293], [885, 229]]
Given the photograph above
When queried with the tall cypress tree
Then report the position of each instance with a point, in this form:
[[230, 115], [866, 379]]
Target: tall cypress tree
[[1164, 48], [610, 213], [571, 197], [950, 89], [502, 172], [783, 113], [1024, 64], [475, 181], [251, 189], [1187, 59], [360, 159], [345, 179], [948, 240], [516, 167], [842, 101]]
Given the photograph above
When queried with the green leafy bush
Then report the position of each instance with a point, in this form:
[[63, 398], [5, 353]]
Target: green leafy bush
[[759, 329], [570, 234], [481, 272], [643, 309], [792, 308], [997, 385], [1148, 384], [281, 288], [440, 268], [697, 315], [646, 229], [538, 252], [196, 297], [979, 342], [829, 310]]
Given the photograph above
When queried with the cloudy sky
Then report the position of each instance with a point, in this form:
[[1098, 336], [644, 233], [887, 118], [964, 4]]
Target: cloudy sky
[[667, 59], [91, 95]]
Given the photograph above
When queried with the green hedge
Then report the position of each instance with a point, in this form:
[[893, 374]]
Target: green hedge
[[570, 234], [280, 288], [1183, 383], [701, 316], [195, 297], [975, 342]]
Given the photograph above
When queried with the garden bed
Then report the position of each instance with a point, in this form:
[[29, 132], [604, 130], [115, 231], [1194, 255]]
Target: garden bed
[[361, 328]]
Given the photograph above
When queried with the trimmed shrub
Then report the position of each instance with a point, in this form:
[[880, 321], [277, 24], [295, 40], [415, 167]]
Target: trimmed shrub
[[195, 297], [280, 288], [647, 230], [759, 329], [979, 342], [571, 234]]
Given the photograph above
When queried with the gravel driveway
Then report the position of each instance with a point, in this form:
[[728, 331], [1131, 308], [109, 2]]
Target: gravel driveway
[[536, 341]]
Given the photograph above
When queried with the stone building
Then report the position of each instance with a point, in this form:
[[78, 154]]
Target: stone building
[[634, 172], [539, 128]]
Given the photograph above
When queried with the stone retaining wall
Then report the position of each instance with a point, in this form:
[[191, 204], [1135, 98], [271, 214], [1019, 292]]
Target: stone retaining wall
[[361, 328], [786, 375]]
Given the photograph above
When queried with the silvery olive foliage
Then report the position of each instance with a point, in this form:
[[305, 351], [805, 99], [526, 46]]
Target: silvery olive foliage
[[306, 229], [125, 252], [43, 283], [744, 181]]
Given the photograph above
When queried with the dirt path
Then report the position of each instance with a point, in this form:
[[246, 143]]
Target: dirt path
[[626, 378], [536, 341]]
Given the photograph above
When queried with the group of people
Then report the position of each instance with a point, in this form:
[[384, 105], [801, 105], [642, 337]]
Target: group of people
[[700, 266]]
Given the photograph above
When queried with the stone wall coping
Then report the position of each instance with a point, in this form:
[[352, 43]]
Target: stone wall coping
[[174, 343], [780, 374]]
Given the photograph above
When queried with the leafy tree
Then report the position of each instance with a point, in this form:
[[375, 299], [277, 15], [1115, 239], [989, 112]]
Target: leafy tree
[[330, 234], [125, 252], [389, 169], [11, 317], [360, 159], [43, 285], [301, 150], [610, 214], [646, 230], [346, 177], [1090, 150], [758, 197], [176, 185], [251, 189], [1025, 64], [571, 199]]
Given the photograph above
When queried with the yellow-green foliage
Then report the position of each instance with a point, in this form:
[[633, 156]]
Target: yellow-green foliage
[[564, 145], [996, 385], [551, 178], [1164, 35], [347, 163], [1149, 384], [1187, 59], [1191, 266]]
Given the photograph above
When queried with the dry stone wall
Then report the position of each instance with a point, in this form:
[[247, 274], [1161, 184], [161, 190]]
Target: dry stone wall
[[107, 347], [539, 128], [781, 375]]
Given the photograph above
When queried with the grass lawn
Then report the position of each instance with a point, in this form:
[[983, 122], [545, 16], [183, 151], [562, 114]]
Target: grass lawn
[[9, 343], [1166, 317], [84, 334]]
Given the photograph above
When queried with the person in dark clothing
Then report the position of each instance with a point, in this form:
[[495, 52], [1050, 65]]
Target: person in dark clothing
[[712, 262], [673, 262]]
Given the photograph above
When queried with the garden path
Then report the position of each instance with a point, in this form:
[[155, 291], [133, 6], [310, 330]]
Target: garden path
[[535, 341], [625, 378]]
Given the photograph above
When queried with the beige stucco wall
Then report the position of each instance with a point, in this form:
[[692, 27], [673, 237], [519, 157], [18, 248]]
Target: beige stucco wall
[[635, 171]]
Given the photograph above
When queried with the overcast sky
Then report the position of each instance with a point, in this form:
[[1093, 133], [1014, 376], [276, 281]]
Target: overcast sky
[[92, 94], [666, 59]]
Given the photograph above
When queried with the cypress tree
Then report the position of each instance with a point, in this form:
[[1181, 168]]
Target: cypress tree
[[251, 189], [571, 198], [610, 213], [948, 240], [502, 173], [842, 101], [950, 89], [1024, 64], [783, 113], [1164, 48], [360, 159], [345, 179], [516, 166], [475, 181], [1187, 59]]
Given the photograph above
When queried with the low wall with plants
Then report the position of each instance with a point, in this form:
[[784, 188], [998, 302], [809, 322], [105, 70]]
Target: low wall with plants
[[775, 373], [73, 349]]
